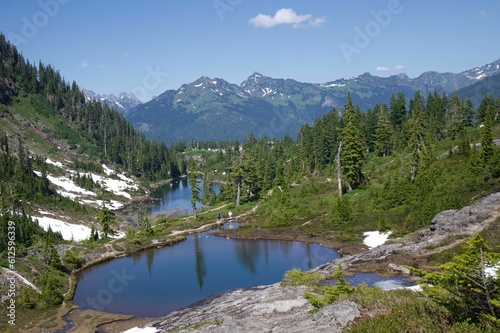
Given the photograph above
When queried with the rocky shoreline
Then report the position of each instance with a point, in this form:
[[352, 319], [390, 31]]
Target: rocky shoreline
[[276, 308]]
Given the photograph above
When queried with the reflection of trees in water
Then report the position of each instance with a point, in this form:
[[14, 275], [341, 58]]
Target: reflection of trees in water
[[308, 260], [149, 260], [201, 268], [247, 252], [149, 253]]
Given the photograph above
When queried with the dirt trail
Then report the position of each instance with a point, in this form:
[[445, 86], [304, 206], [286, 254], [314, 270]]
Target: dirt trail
[[214, 224]]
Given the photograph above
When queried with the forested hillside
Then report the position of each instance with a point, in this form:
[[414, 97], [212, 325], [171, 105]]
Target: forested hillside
[[42, 116], [88, 129], [398, 159]]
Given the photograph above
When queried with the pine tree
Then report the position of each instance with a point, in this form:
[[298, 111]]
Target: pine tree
[[145, 222], [353, 149], [487, 106], [383, 133], [106, 218], [398, 110], [418, 147], [487, 149], [464, 286], [195, 190], [455, 117]]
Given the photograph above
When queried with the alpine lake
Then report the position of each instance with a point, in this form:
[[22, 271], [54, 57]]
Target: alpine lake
[[157, 281]]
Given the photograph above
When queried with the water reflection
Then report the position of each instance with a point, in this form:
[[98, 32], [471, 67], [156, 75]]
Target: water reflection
[[149, 261], [247, 252], [174, 198], [201, 268], [158, 281]]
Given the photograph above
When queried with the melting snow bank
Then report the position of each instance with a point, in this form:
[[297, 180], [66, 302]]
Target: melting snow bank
[[69, 189], [375, 238], [141, 330], [69, 231]]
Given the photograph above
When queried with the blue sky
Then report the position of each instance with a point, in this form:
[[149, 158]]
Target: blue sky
[[148, 47]]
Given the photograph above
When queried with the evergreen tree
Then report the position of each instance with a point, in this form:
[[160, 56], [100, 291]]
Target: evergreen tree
[[418, 147], [383, 133], [398, 110], [353, 149], [464, 286], [106, 218], [243, 173], [487, 149], [487, 106], [456, 118], [145, 222], [195, 190]]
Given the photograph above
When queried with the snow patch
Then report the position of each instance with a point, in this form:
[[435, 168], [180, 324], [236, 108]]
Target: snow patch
[[68, 231], [141, 330], [108, 171], [333, 85], [492, 271], [57, 164], [375, 238], [69, 186], [112, 205], [117, 186], [198, 85]]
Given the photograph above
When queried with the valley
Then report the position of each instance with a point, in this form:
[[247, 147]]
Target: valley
[[280, 166]]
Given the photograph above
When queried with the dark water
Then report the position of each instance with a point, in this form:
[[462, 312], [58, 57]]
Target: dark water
[[158, 281], [175, 197]]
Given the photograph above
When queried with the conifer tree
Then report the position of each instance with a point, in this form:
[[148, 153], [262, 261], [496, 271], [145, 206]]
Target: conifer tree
[[354, 148], [106, 218], [383, 133], [464, 285], [398, 110], [418, 147], [487, 149], [195, 189], [487, 106]]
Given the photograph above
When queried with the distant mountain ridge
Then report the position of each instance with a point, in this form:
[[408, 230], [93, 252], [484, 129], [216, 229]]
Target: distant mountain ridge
[[214, 109], [123, 103]]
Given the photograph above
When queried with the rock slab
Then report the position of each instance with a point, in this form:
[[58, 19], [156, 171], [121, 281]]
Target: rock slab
[[272, 308]]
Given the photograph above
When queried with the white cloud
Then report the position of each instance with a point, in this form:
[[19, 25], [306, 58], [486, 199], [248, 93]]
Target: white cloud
[[382, 69], [84, 64], [481, 14], [399, 68], [286, 16], [317, 22]]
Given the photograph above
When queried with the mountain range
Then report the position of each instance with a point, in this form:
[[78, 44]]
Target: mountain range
[[214, 109], [123, 103]]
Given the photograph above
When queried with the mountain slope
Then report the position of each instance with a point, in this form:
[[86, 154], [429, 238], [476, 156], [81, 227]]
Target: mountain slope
[[476, 91], [214, 109]]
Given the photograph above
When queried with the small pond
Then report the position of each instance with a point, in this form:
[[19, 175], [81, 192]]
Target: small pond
[[155, 282]]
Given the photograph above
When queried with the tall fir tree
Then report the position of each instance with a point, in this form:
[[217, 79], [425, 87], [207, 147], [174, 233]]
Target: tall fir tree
[[487, 149], [353, 148], [418, 130], [383, 133], [195, 189], [106, 218]]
